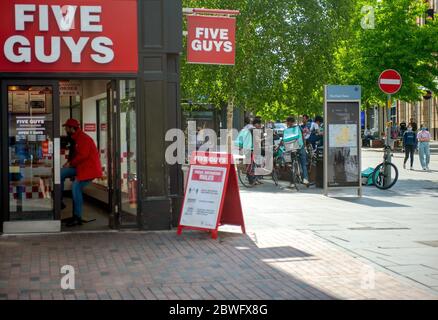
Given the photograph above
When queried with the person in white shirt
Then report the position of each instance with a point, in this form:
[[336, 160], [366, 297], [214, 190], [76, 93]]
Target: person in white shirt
[[248, 124], [315, 131], [424, 138]]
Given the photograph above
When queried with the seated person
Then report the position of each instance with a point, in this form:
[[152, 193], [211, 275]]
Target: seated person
[[367, 136], [84, 166]]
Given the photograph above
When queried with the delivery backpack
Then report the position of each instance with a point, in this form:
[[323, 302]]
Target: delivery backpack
[[367, 177], [291, 138], [244, 140]]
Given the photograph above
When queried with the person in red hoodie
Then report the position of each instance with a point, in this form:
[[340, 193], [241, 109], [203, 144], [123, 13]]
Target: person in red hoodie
[[84, 166]]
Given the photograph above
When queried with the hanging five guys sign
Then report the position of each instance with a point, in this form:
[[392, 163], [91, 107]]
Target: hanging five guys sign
[[211, 40], [74, 36]]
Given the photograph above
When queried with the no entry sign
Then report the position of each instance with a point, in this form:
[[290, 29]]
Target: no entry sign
[[211, 40], [390, 81]]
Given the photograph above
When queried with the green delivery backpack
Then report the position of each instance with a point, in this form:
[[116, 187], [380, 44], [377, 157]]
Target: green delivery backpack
[[367, 177], [292, 138], [244, 140]]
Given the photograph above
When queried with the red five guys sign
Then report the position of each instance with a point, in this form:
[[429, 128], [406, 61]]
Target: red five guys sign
[[68, 36], [211, 40]]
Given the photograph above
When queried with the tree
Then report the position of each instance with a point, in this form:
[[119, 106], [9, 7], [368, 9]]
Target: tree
[[396, 41], [284, 56]]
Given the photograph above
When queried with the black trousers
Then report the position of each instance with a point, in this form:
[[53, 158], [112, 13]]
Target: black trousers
[[409, 151]]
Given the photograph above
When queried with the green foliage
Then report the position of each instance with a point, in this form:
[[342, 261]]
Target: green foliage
[[284, 56], [396, 42], [287, 50]]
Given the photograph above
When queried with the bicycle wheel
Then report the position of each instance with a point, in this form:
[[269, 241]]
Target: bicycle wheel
[[275, 174], [242, 174], [381, 176], [298, 175], [293, 175]]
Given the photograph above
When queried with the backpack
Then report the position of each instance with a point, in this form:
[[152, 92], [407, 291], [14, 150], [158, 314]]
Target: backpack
[[410, 138], [291, 138], [367, 177], [244, 140]]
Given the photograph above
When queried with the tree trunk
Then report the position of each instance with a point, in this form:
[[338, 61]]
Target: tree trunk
[[230, 113]]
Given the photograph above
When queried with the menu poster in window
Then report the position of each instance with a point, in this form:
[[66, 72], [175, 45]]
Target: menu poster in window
[[343, 135], [70, 88], [20, 100], [37, 102]]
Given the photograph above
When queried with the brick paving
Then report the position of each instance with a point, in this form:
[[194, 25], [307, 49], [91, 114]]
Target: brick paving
[[278, 265]]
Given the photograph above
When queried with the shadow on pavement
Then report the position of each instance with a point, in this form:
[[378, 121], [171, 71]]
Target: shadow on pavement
[[152, 262], [403, 188], [285, 252], [370, 202], [269, 187]]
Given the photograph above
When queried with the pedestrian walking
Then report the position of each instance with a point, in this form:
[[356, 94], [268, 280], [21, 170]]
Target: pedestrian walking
[[413, 125], [403, 128], [424, 138], [409, 145]]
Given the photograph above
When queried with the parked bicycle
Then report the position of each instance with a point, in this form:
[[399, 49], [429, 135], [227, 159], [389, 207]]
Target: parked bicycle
[[385, 175], [287, 160], [246, 172], [313, 156]]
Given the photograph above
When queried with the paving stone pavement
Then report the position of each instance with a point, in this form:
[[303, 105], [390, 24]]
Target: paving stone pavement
[[272, 264], [395, 230]]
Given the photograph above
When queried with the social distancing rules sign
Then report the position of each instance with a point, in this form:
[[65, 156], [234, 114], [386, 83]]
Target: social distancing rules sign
[[211, 40], [212, 196]]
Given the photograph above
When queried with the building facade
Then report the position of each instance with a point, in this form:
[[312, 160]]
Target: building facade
[[424, 112], [113, 65]]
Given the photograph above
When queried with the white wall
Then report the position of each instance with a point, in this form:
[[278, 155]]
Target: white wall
[[89, 113]]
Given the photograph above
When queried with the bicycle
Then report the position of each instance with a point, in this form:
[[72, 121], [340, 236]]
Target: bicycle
[[313, 154], [289, 158], [295, 168], [385, 175], [246, 173]]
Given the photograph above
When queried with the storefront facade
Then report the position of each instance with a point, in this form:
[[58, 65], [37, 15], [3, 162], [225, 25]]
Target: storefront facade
[[113, 65]]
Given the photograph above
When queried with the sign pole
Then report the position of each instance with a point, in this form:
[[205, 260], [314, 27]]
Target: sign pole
[[388, 141], [390, 82], [325, 181]]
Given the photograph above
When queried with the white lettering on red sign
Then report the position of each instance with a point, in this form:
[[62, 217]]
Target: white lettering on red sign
[[209, 39], [18, 48], [211, 160]]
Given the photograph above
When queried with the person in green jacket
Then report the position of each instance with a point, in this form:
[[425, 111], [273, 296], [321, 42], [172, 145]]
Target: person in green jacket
[[293, 132], [245, 142]]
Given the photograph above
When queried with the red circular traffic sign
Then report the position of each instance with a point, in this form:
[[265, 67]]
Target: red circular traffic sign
[[390, 81]]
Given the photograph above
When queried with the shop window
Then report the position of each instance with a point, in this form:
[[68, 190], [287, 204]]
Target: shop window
[[102, 139], [30, 147], [128, 146], [70, 107]]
